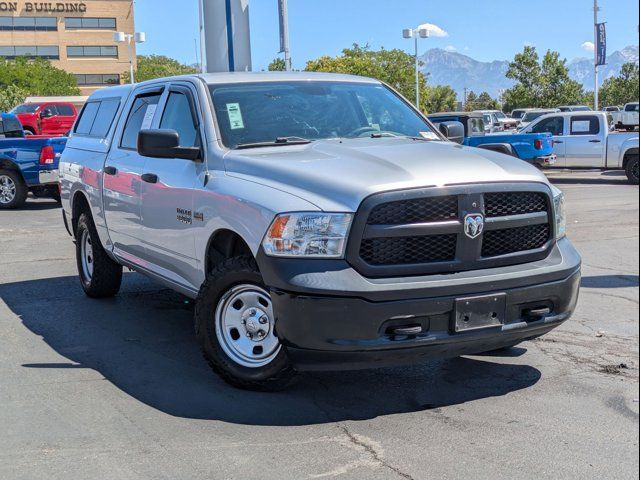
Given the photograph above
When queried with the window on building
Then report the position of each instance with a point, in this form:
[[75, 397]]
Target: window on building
[[46, 52], [92, 52], [90, 80], [28, 24], [86, 23]]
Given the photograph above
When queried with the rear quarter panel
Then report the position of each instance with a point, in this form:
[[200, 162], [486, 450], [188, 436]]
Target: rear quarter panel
[[523, 143], [618, 144]]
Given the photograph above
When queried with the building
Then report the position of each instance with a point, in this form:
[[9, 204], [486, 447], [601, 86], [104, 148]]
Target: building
[[75, 36]]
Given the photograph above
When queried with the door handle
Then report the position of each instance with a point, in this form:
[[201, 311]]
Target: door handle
[[110, 170], [149, 178], [594, 141], [558, 141]]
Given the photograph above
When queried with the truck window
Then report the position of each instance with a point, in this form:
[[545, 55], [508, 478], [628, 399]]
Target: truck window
[[631, 107], [104, 118], [553, 125], [179, 117], [585, 125], [65, 111], [10, 128], [87, 117], [140, 117]]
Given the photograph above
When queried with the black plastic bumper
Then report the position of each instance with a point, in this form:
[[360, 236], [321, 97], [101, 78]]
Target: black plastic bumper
[[350, 328]]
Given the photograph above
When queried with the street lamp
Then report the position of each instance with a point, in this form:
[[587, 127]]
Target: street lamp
[[416, 33], [129, 39]]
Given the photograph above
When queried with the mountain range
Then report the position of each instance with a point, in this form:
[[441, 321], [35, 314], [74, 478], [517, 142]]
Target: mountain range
[[460, 71]]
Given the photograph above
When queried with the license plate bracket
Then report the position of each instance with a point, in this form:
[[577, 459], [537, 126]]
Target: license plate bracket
[[475, 313]]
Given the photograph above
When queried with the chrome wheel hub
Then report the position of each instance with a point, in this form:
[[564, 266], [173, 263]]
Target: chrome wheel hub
[[86, 255], [7, 189], [244, 326]]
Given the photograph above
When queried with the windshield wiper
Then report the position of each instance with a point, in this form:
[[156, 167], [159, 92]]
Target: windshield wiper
[[279, 141]]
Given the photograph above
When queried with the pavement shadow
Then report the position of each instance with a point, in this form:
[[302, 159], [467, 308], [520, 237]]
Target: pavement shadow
[[619, 179], [142, 341], [610, 281]]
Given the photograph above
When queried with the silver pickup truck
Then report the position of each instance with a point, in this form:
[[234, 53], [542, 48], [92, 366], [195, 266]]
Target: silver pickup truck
[[584, 140], [319, 221]]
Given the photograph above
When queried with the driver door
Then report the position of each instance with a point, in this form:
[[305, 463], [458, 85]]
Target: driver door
[[556, 127]]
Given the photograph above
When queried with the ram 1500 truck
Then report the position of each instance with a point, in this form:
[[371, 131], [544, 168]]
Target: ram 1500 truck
[[49, 119], [26, 164], [533, 148], [583, 140], [319, 221]]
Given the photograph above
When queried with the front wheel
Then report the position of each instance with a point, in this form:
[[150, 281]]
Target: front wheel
[[632, 170], [100, 276], [234, 322]]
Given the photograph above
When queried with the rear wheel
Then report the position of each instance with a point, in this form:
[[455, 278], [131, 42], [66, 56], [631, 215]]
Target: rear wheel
[[632, 170], [100, 276], [13, 191], [235, 324]]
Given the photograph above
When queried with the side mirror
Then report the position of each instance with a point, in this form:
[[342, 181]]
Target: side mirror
[[454, 131], [165, 144]]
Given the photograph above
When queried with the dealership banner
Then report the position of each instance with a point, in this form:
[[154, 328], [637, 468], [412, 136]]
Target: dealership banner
[[601, 44]]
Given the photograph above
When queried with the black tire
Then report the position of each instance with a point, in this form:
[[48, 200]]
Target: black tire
[[242, 270], [21, 191], [106, 275], [632, 170]]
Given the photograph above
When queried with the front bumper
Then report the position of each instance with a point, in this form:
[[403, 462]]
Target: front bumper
[[48, 176], [352, 327]]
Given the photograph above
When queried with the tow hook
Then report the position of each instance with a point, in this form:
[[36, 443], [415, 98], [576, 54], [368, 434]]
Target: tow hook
[[534, 314]]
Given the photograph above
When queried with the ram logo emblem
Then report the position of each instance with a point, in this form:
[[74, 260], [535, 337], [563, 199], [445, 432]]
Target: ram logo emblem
[[473, 225]]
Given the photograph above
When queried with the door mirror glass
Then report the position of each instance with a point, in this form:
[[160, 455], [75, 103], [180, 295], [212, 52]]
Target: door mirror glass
[[165, 144]]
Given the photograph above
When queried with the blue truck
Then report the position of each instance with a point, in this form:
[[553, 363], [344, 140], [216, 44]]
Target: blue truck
[[535, 148], [27, 164]]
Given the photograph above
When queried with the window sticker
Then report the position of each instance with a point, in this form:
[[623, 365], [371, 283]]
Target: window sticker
[[429, 135], [580, 126], [235, 116], [148, 117]]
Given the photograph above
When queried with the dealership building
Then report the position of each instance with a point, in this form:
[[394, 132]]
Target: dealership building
[[75, 36]]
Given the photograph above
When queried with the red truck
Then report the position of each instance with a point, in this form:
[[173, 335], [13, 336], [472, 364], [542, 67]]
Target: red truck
[[49, 119]]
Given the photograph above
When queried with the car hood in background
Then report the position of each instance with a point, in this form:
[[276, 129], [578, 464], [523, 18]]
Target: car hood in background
[[336, 175]]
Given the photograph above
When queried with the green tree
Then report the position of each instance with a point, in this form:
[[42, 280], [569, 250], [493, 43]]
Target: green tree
[[470, 101], [394, 67], [158, 66], [11, 96], [541, 83], [486, 102], [277, 65], [623, 88], [36, 77], [441, 98]]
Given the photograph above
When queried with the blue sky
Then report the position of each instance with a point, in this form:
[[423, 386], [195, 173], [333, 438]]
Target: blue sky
[[489, 30]]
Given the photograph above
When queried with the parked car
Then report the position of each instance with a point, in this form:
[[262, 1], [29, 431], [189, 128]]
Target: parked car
[[583, 140], [506, 122], [26, 164], [574, 108], [611, 109], [491, 123], [628, 118], [47, 119], [319, 220], [531, 115], [518, 113], [533, 148]]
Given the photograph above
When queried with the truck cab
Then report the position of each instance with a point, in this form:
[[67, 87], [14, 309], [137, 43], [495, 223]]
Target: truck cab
[[47, 119]]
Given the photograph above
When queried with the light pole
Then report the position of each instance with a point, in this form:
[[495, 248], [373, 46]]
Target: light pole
[[595, 53], [416, 33], [130, 39]]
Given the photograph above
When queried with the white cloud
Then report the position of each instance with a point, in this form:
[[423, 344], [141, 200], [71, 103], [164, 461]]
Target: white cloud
[[434, 30], [450, 48], [588, 46]]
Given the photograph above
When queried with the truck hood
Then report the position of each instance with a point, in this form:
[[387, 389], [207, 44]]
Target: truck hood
[[336, 175]]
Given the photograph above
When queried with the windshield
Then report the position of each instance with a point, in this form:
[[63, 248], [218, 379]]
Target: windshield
[[250, 113], [631, 107], [517, 114], [531, 116], [25, 108], [500, 115]]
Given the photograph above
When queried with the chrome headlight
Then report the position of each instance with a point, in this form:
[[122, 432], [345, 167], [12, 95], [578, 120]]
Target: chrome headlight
[[560, 212], [308, 234]]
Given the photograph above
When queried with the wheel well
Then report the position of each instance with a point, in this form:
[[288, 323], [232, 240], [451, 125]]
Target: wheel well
[[225, 244], [9, 165], [628, 155], [79, 206]]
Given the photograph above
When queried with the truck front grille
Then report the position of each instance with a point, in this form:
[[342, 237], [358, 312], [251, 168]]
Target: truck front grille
[[419, 232]]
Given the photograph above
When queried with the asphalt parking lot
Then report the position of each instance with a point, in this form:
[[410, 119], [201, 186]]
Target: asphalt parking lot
[[118, 388]]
